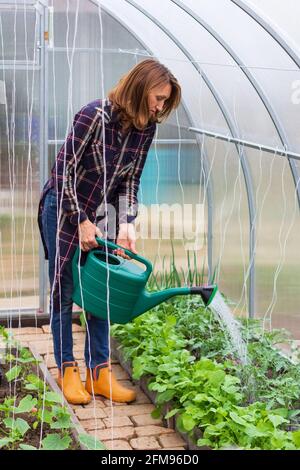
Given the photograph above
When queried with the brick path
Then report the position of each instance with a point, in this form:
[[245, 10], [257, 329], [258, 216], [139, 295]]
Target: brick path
[[121, 427]]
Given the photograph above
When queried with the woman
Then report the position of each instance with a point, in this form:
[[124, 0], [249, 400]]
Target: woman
[[99, 165]]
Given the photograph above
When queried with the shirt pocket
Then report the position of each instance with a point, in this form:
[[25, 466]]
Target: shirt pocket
[[128, 162], [125, 170]]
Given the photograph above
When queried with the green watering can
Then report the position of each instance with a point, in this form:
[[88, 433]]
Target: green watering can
[[126, 297]]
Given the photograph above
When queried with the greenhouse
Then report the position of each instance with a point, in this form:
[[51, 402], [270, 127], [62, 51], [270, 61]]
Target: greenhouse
[[188, 336]]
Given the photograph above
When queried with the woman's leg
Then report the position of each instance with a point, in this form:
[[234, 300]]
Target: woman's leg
[[96, 342], [97, 330], [61, 320], [100, 379], [60, 303]]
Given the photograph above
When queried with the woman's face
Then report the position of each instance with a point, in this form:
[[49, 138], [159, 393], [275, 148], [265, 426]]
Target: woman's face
[[157, 98]]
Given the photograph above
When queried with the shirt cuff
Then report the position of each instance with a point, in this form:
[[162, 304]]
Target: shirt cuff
[[76, 218]]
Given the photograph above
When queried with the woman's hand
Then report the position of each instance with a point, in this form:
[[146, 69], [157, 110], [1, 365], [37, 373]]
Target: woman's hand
[[87, 233], [127, 239]]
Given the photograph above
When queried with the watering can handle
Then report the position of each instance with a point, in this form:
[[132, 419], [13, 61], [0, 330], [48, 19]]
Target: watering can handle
[[132, 255]]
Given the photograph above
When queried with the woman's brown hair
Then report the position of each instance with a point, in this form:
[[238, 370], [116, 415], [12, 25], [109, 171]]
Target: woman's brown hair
[[130, 96]]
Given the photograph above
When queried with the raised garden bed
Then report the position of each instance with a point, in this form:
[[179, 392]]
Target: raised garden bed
[[184, 362], [144, 385], [33, 412]]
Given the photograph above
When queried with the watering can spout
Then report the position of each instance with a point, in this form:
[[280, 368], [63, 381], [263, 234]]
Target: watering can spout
[[148, 300], [207, 293]]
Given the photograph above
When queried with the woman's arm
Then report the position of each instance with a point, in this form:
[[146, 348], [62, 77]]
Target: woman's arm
[[128, 189], [128, 201]]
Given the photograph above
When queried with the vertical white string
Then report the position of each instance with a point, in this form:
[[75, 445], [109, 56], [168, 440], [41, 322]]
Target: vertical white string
[[181, 188], [106, 215], [222, 233], [12, 181], [241, 149], [8, 153], [282, 243], [202, 177], [28, 180], [157, 181]]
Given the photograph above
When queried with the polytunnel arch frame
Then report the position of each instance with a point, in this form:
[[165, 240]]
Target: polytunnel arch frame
[[240, 152], [269, 29], [44, 162], [257, 87], [42, 45], [239, 148], [45, 3], [202, 152]]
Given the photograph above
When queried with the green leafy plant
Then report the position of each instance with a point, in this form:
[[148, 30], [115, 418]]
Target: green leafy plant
[[38, 408], [180, 346], [91, 442]]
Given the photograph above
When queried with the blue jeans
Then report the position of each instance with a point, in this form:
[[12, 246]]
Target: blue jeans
[[97, 330]]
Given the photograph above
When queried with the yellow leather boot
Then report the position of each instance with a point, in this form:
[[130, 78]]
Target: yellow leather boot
[[98, 381], [71, 385]]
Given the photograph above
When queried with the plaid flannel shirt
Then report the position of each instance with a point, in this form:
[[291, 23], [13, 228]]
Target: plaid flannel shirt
[[95, 160]]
